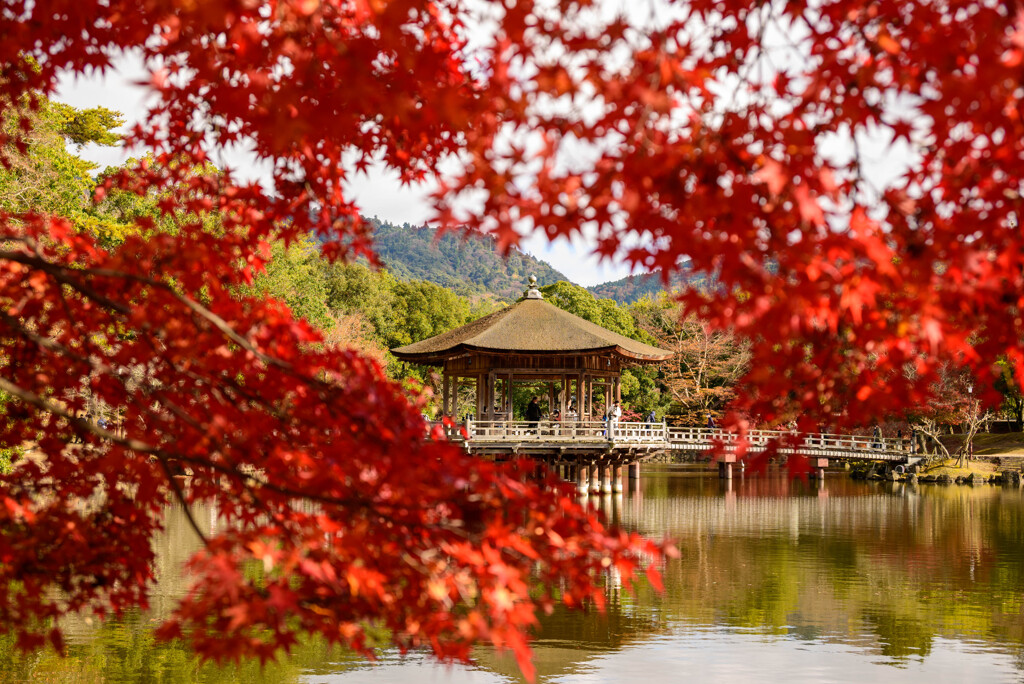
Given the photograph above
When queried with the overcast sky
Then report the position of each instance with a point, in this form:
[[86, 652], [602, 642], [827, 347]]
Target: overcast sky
[[378, 194]]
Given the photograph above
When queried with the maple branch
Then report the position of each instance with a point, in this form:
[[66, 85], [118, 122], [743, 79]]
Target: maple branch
[[180, 496], [89, 426], [203, 312], [44, 342], [61, 275], [162, 455]]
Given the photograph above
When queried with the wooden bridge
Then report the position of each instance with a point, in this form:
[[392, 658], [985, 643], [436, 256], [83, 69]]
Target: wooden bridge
[[525, 437], [593, 453]]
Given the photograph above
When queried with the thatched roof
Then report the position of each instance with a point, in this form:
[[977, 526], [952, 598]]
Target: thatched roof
[[532, 326]]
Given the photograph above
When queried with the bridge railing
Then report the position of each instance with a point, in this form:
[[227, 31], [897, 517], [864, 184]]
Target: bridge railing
[[553, 431], [759, 438], [561, 431]]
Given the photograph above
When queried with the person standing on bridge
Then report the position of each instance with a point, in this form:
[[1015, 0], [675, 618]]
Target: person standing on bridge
[[533, 413], [711, 422], [876, 435], [613, 419]]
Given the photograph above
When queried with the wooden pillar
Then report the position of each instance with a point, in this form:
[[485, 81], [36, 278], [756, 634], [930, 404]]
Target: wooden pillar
[[606, 385], [582, 478], [579, 395], [491, 394], [453, 395], [617, 479], [453, 398], [618, 389], [551, 398], [634, 470], [562, 396], [595, 479], [444, 394], [481, 396], [590, 397]]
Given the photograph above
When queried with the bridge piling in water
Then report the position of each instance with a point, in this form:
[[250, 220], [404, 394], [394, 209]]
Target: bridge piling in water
[[725, 466], [724, 470], [821, 464], [582, 478]]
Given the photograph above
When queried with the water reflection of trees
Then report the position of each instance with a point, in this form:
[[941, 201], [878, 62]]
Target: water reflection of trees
[[124, 650], [884, 567]]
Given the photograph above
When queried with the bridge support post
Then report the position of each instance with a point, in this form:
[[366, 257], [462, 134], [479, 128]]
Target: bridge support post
[[606, 479], [821, 464], [595, 479], [725, 466], [724, 470], [634, 470], [582, 478], [617, 479]]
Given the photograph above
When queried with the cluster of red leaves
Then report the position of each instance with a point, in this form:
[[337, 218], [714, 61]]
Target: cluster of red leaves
[[339, 510], [707, 125], [735, 135], [711, 130]]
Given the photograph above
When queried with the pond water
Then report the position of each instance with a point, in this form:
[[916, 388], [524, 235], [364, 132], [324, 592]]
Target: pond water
[[778, 580]]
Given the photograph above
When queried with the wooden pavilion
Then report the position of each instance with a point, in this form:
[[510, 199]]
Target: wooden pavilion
[[532, 342]]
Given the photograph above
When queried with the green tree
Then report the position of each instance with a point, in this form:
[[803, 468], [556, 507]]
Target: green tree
[[356, 289], [424, 310], [49, 178], [574, 299], [616, 318], [1013, 399], [121, 213], [294, 276]]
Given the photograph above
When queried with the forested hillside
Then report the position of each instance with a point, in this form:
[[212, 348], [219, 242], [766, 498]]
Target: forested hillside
[[468, 266], [635, 287]]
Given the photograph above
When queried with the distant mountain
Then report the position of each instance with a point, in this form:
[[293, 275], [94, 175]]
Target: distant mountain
[[470, 266], [632, 288]]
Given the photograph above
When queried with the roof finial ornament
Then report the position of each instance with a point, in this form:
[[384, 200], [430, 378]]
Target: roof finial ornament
[[533, 292]]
